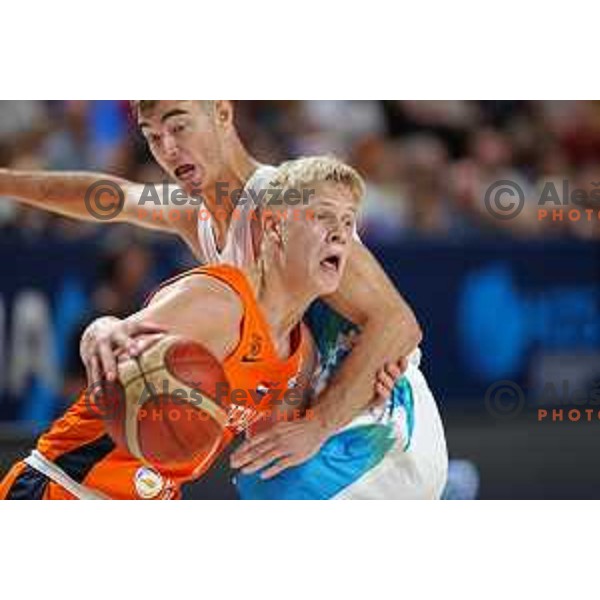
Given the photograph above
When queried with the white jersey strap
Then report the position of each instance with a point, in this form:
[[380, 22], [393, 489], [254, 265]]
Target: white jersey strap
[[36, 460]]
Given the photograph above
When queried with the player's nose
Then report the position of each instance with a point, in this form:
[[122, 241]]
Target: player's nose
[[337, 234], [170, 147]]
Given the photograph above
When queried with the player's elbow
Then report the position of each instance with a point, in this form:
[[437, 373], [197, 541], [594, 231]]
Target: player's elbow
[[400, 320], [414, 332]]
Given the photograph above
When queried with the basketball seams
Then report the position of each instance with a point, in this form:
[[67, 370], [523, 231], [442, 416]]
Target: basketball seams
[[130, 376], [153, 378]]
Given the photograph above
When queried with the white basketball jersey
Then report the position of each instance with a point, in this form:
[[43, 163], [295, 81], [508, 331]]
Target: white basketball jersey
[[239, 249]]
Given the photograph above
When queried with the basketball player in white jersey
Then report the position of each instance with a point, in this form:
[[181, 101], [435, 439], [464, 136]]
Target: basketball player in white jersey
[[348, 450]]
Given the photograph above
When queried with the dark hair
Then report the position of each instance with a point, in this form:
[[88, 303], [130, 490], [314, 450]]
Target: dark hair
[[139, 107]]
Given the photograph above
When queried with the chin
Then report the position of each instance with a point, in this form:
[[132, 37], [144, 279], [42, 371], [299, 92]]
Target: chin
[[328, 287], [190, 187]]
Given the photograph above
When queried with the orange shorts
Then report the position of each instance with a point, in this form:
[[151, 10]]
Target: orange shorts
[[23, 482]]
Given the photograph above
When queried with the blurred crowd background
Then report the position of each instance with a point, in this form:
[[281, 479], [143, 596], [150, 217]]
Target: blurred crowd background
[[427, 163]]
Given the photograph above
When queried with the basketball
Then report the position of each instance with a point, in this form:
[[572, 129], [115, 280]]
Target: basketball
[[169, 405]]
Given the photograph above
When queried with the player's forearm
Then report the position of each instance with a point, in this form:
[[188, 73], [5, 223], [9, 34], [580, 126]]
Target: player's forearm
[[383, 339], [61, 192], [389, 332]]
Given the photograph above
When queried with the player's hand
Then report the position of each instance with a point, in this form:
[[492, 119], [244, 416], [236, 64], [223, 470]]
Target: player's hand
[[386, 380], [286, 444], [106, 338]]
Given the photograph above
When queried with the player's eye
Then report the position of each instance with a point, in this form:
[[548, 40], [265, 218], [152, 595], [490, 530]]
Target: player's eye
[[179, 127], [349, 222]]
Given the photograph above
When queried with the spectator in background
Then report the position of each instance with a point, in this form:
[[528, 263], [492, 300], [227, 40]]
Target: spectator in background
[[585, 181], [385, 214], [336, 125], [426, 177], [125, 279], [23, 124], [428, 163], [67, 145], [490, 160]]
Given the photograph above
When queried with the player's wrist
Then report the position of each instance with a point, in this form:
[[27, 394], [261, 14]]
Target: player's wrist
[[323, 424]]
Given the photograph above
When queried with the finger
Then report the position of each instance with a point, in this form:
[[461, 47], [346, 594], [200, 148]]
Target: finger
[[94, 370], [141, 345], [264, 460], [127, 339], [384, 379], [107, 361], [142, 327], [142, 336], [256, 440], [393, 370], [242, 456], [278, 467], [382, 393], [122, 341], [88, 372], [403, 365]]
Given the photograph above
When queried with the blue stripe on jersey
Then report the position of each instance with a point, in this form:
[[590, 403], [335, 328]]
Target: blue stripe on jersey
[[348, 455], [343, 459], [402, 396]]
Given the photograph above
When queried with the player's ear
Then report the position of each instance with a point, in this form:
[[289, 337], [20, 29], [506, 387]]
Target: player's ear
[[273, 225], [223, 112]]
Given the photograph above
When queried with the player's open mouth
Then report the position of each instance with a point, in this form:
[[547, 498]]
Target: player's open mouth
[[331, 263], [186, 172]]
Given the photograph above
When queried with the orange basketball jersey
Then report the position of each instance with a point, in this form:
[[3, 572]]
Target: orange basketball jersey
[[79, 459]]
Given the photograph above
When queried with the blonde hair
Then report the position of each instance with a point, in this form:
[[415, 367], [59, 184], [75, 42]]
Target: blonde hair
[[301, 173]]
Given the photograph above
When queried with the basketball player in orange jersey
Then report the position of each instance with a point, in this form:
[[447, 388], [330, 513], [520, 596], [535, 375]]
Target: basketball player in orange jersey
[[197, 144], [225, 309]]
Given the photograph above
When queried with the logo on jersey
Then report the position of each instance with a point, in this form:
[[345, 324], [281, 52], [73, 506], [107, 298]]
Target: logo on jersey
[[253, 354], [148, 483]]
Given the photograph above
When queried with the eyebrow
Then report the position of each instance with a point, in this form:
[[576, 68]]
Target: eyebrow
[[176, 112], [354, 209]]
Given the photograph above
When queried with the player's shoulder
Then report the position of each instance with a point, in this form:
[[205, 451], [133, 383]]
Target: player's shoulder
[[260, 180], [216, 294]]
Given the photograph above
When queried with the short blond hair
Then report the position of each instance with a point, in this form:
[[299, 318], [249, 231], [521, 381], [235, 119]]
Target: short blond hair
[[303, 172]]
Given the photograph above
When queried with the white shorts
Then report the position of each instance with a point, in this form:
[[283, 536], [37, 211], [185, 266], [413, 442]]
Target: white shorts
[[413, 471], [395, 452]]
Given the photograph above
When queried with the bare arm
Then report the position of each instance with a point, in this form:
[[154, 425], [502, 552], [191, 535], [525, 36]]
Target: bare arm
[[389, 331], [199, 308], [84, 196], [196, 307]]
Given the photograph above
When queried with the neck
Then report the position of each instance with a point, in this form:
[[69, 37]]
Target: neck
[[238, 167], [281, 304]]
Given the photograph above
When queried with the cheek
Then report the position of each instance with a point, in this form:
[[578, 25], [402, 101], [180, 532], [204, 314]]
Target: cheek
[[314, 232], [159, 158], [300, 247], [305, 242], [203, 145]]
